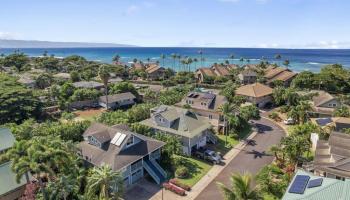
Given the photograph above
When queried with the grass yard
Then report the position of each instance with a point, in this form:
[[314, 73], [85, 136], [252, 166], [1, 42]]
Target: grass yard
[[231, 141], [197, 169], [89, 115]]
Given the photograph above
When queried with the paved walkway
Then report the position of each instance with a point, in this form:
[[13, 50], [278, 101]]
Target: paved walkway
[[250, 159]]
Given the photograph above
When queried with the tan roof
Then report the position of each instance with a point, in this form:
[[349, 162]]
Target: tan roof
[[138, 66], [220, 70], [272, 71], [343, 120], [284, 76], [153, 68], [321, 98], [232, 66], [254, 90], [206, 71]]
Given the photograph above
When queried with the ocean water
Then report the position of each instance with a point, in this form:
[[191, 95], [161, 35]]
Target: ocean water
[[300, 59]]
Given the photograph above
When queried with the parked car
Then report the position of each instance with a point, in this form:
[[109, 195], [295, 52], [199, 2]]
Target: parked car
[[289, 121], [208, 155]]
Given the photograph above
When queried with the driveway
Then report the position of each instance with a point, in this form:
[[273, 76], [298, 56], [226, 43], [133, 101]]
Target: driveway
[[251, 159]]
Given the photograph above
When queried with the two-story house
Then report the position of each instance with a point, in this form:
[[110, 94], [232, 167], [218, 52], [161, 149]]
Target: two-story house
[[324, 104], [117, 100], [206, 104], [273, 73], [194, 130], [257, 94], [132, 154]]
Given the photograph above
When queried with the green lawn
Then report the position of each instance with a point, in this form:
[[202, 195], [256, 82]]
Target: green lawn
[[231, 141], [197, 169]]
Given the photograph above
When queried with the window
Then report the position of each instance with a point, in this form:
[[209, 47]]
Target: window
[[210, 116], [130, 141]]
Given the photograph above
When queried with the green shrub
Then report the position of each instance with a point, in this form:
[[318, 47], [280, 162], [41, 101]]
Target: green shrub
[[284, 109], [274, 116], [181, 172]]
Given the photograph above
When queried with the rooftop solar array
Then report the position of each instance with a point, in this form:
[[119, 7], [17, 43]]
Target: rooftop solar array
[[118, 139], [209, 96], [323, 121], [315, 183], [299, 184]]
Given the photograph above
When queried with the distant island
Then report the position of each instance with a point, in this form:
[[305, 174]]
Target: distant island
[[48, 44]]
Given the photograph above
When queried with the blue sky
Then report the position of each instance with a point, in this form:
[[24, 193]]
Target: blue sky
[[215, 23]]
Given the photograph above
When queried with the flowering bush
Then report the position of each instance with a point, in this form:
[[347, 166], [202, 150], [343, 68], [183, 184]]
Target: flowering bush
[[179, 184], [174, 188]]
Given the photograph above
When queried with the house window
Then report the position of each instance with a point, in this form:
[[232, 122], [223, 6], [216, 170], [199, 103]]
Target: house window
[[161, 120], [130, 141], [210, 116], [332, 105]]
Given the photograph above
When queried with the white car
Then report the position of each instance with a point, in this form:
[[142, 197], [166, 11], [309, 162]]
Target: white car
[[289, 121]]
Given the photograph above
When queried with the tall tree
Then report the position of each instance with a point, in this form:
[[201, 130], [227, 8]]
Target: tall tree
[[240, 189], [232, 56], [104, 75], [116, 59], [162, 56], [105, 183], [226, 109]]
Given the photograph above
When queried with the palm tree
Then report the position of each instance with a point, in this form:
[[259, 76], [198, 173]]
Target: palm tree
[[106, 182], [286, 63], [241, 60], [148, 60], [189, 61], [116, 59], [195, 60], [200, 52], [19, 157], [162, 56], [278, 56], [232, 56], [225, 109], [240, 189], [104, 75], [173, 56], [179, 58]]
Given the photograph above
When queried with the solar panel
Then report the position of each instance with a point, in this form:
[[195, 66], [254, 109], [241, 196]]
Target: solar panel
[[315, 183], [209, 96], [323, 121], [299, 184], [115, 138], [120, 140]]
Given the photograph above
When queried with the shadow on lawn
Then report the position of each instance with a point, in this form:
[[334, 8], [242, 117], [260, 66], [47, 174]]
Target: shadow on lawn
[[193, 168]]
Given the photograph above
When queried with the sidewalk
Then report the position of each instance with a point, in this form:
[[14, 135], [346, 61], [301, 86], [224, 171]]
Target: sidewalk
[[208, 178]]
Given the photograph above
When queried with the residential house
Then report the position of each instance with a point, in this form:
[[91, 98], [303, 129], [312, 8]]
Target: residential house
[[247, 76], [131, 154], [214, 71], [88, 85], [341, 123], [257, 94], [332, 157], [206, 104], [324, 104], [117, 100], [154, 72], [63, 76], [194, 130], [306, 186], [9, 188], [273, 73], [202, 74], [27, 80]]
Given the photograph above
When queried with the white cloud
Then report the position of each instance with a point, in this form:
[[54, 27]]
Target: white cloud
[[131, 9], [7, 35]]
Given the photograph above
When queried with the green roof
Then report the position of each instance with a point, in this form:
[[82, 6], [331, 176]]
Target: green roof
[[330, 189], [8, 179], [6, 139]]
